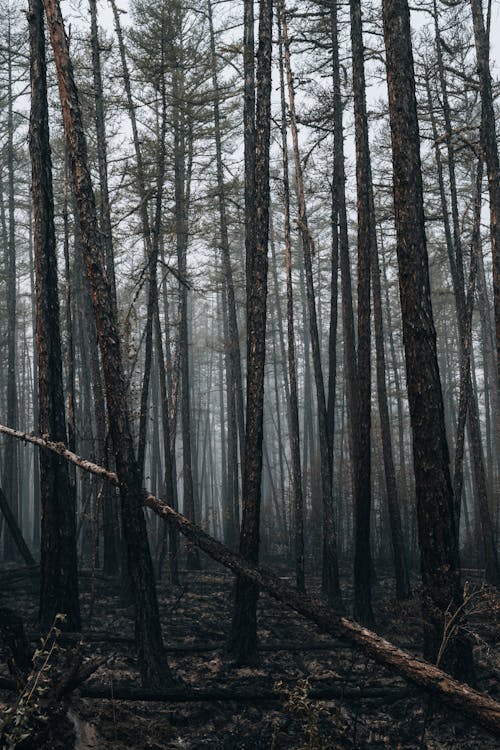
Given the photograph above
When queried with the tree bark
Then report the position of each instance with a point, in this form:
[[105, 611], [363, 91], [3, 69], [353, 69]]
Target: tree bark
[[243, 640], [58, 563], [367, 246], [438, 538]]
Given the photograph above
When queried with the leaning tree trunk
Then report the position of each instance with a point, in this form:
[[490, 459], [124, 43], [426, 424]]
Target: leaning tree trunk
[[479, 707], [438, 539], [154, 668], [58, 563]]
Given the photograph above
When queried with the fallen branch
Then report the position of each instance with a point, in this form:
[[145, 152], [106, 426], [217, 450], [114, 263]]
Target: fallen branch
[[451, 692]]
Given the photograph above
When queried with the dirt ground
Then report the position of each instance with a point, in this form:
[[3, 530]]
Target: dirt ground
[[372, 708]]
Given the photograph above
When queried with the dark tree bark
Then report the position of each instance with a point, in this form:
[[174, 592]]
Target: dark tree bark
[[58, 563], [367, 246], [102, 157], [154, 668], [109, 513], [243, 642], [438, 538]]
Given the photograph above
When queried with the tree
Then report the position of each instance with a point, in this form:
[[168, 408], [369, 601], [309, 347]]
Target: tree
[[438, 539], [367, 246], [58, 564], [243, 642]]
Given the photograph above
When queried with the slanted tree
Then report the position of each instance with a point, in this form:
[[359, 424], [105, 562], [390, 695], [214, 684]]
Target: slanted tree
[[149, 643]]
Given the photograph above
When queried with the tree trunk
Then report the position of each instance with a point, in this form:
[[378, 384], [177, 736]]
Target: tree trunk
[[58, 564], [438, 539], [243, 641], [367, 246]]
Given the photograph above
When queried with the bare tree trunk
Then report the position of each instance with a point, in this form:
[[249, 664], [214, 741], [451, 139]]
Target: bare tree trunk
[[232, 321], [435, 504], [367, 247], [393, 501], [243, 642], [58, 564]]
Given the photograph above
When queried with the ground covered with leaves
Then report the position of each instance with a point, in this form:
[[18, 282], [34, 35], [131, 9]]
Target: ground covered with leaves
[[306, 691]]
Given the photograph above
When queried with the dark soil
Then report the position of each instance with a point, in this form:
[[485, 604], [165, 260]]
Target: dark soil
[[295, 661]]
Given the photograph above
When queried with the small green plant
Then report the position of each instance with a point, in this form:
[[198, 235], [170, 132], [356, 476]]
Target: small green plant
[[307, 715], [30, 713]]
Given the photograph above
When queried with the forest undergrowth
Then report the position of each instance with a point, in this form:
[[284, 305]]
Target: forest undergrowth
[[306, 691]]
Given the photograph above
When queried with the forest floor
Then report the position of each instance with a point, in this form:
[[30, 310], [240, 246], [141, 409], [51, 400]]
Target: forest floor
[[372, 708]]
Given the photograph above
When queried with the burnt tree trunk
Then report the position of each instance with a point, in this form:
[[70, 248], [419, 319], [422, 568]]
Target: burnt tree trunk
[[367, 246], [58, 563], [243, 642], [438, 537]]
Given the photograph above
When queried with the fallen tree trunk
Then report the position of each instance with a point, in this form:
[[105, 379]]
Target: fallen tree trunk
[[477, 706]]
